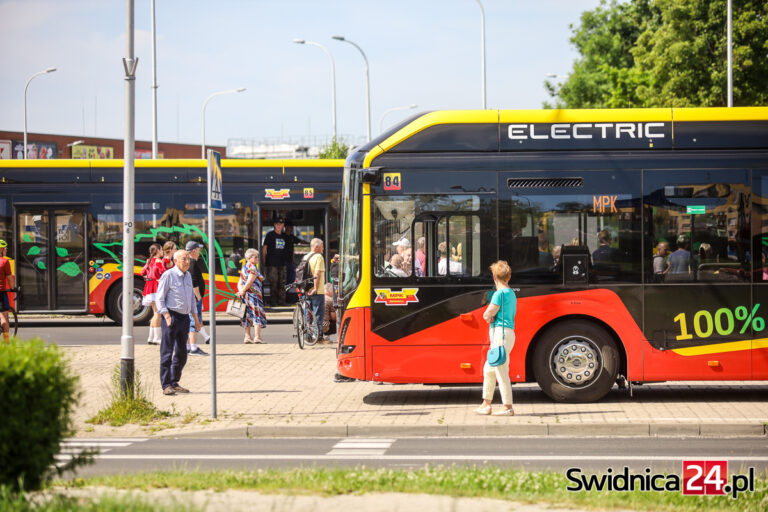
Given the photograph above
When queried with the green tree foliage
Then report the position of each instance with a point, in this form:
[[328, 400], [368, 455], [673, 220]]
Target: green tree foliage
[[335, 149], [666, 53], [37, 394]]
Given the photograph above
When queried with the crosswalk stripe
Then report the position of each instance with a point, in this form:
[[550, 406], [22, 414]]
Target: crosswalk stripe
[[71, 447], [361, 447]]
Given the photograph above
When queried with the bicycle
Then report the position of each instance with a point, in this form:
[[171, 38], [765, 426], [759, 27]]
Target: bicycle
[[307, 332], [13, 317]]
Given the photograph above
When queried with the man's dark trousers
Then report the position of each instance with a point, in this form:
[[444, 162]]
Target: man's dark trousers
[[173, 348]]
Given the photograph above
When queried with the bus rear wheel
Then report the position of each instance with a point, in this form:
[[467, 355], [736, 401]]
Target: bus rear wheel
[[576, 361], [114, 306]]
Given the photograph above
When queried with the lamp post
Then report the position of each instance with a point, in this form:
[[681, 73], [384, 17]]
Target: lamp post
[[381, 120], [333, 77], [367, 84], [154, 84], [205, 104], [482, 43], [49, 70]]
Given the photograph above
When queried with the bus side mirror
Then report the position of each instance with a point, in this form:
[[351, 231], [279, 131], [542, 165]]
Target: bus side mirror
[[371, 175]]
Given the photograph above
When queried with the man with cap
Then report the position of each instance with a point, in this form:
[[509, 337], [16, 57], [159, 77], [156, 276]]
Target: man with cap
[[402, 245], [198, 285], [275, 257]]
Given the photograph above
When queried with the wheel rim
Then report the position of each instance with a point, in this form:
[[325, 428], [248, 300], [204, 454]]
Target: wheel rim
[[136, 301], [576, 361]]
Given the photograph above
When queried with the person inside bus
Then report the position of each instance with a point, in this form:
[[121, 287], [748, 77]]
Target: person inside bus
[[500, 315], [443, 263], [545, 257], [401, 245], [421, 256], [395, 267], [605, 253], [680, 260], [660, 263], [291, 241], [7, 282], [275, 257], [556, 252]]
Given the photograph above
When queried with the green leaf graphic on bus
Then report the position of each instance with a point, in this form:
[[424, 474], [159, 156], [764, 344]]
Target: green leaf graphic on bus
[[41, 265], [26, 238], [33, 251], [70, 268], [163, 232], [62, 252]]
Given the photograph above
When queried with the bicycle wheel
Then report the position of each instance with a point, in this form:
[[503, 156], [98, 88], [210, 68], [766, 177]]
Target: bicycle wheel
[[13, 321], [298, 325], [310, 328]]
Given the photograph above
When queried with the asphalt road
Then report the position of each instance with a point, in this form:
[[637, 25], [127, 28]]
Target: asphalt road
[[99, 331], [530, 453]]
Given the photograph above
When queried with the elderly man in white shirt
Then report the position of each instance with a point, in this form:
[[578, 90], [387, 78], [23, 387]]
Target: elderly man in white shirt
[[443, 265], [175, 298]]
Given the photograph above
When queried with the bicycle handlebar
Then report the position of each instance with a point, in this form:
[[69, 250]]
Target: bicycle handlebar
[[299, 283]]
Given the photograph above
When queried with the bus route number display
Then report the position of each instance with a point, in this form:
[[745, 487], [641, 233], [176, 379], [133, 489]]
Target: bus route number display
[[392, 181]]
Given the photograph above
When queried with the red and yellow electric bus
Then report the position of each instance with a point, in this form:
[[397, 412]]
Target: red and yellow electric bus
[[63, 220], [637, 241]]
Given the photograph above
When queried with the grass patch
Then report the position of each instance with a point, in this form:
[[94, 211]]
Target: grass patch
[[132, 406], [51, 501], [516, 485]]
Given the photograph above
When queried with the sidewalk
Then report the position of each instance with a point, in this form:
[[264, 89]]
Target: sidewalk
[[278, 390]]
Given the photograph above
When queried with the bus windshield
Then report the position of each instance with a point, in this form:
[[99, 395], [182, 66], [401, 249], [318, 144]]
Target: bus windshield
[[350, 244]]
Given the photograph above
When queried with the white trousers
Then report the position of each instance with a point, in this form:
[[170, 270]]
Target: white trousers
[[500, 373]]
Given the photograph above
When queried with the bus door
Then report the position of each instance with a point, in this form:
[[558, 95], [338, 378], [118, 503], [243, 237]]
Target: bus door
[[52, 265], [303, 222], [432, 242], [760, 274], [699, 312]]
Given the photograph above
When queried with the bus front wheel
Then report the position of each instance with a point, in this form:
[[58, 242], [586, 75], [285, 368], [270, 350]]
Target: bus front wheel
[[576, 361], [141, 313]]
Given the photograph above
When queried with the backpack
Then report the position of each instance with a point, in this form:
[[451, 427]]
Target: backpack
[[303, 271]]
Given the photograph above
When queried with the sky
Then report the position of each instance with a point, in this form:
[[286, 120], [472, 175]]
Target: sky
[[420, 52]]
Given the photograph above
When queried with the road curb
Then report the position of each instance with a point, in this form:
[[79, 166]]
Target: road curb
[[541, 430]]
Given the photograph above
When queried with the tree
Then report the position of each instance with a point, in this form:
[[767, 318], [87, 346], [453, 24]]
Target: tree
[[664, 53], [334, 149]]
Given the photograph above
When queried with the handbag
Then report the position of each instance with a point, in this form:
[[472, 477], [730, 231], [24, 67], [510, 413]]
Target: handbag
[[497, 356], [236, 308]]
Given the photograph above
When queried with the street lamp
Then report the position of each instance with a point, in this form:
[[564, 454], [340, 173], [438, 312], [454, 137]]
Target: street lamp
[[367, 84], [205, 104], [730, 55], [49, 70], [482, 41], [333, 77], [381, 120]]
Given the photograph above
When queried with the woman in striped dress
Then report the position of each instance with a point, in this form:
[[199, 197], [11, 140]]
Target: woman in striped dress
[[249, 288]]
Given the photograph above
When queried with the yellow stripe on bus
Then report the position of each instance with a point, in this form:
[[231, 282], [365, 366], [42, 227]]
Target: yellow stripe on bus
[[428, 120], [109, 268], [720, 114], [720, 348]]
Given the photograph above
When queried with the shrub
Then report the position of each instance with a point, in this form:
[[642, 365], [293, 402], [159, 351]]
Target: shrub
[[37, 394]]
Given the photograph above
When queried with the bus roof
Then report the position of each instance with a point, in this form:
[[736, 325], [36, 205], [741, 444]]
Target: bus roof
[[170, 163], [575, 129]]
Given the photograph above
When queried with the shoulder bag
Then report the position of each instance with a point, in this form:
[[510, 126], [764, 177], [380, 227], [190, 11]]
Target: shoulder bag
[[497, 356]]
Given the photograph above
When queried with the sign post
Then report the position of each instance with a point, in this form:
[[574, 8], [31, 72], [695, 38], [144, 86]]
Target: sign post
[[214, 203]]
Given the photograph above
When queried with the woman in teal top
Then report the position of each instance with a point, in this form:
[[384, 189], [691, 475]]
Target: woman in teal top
[[500, 314]]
